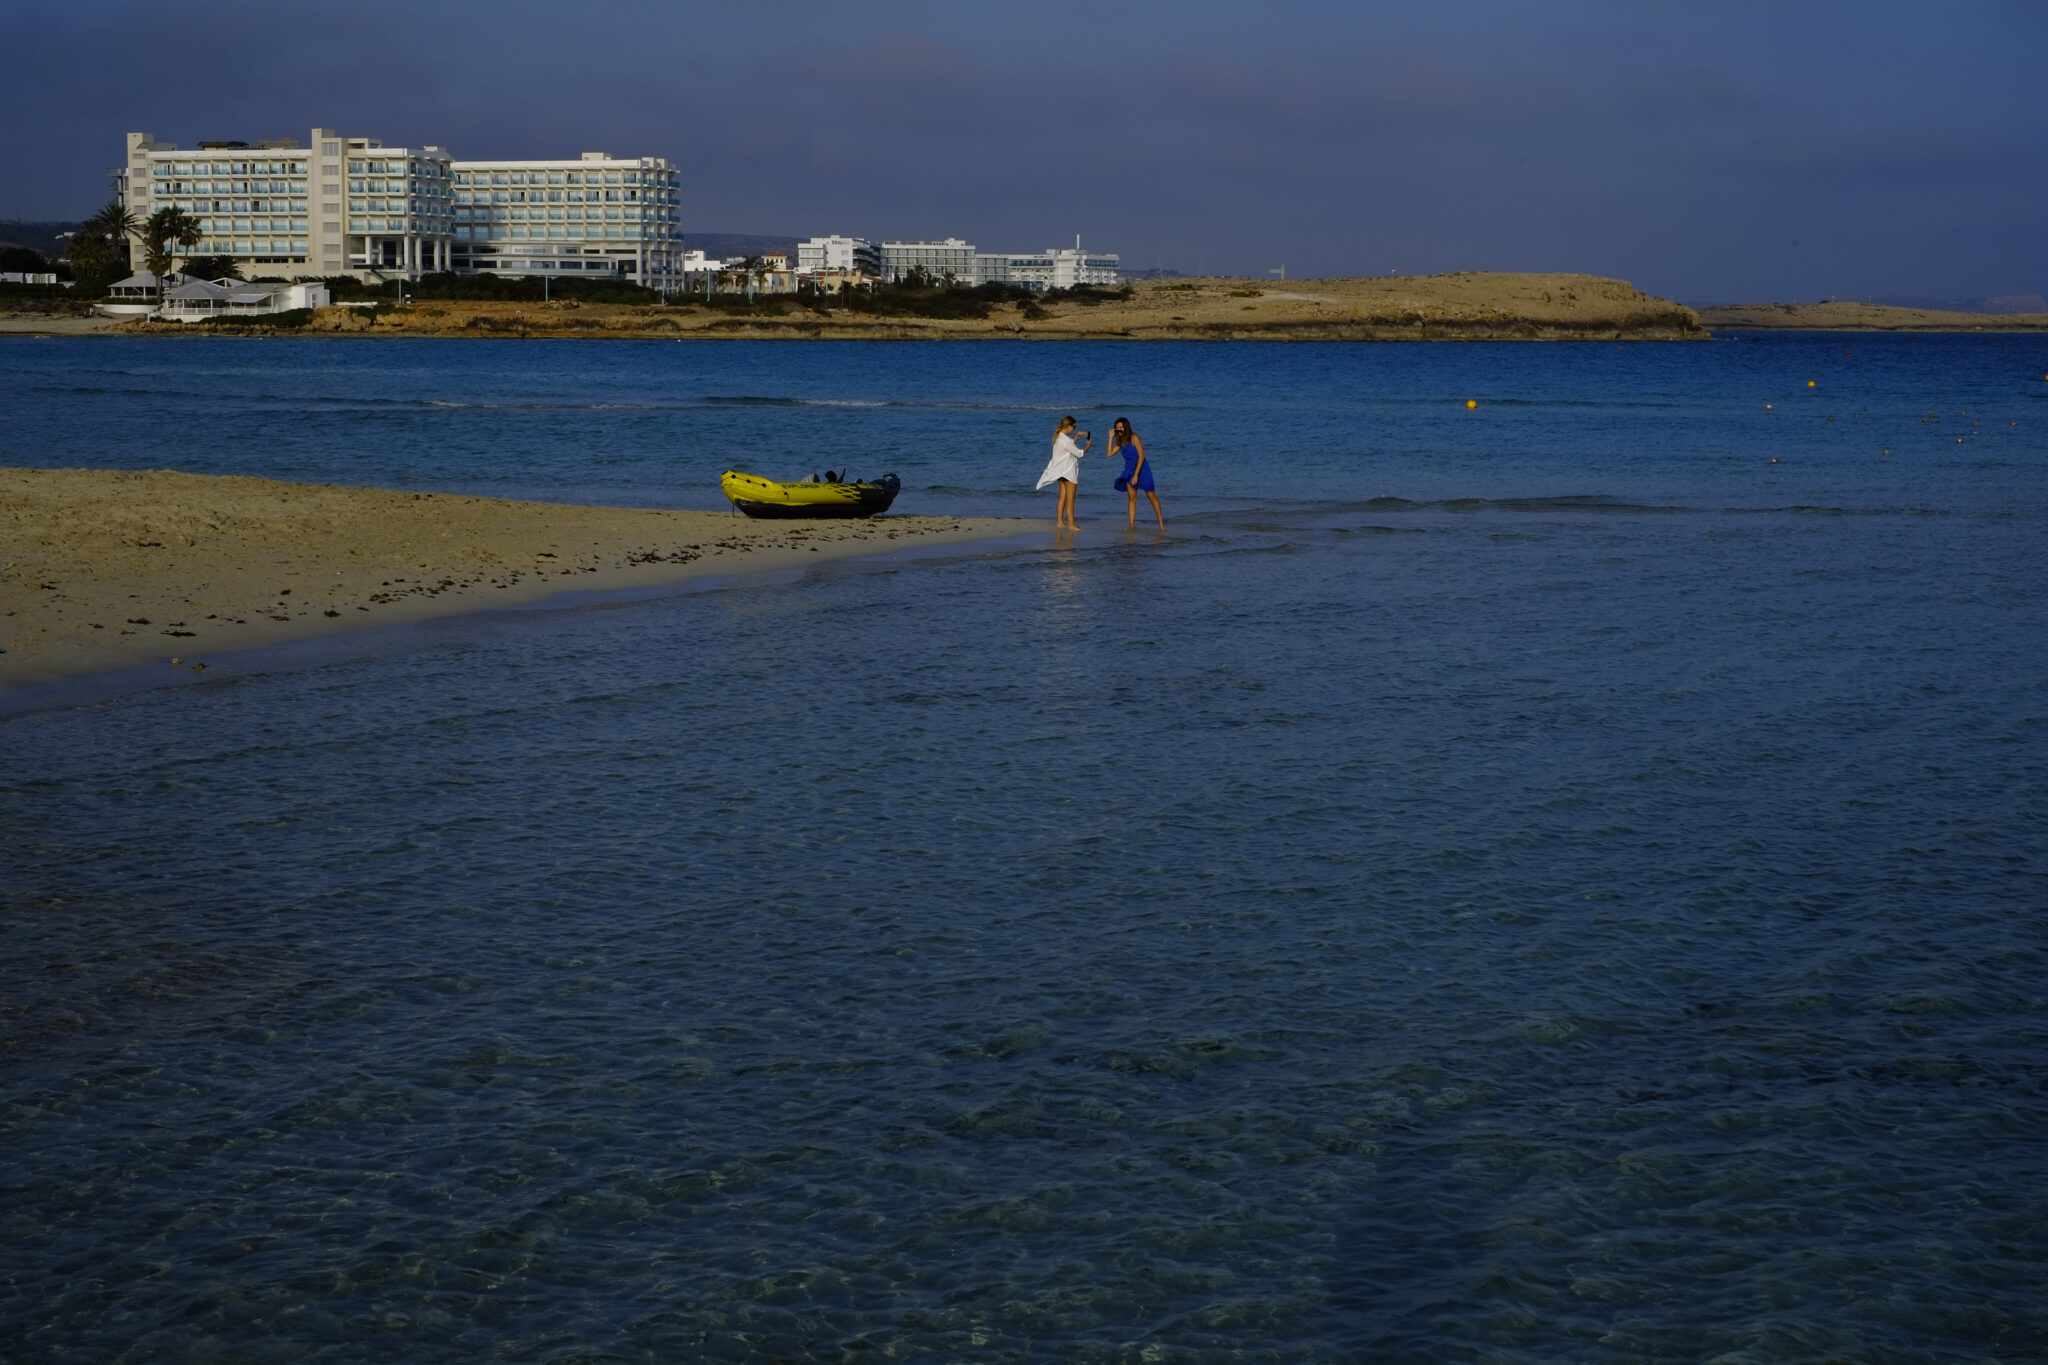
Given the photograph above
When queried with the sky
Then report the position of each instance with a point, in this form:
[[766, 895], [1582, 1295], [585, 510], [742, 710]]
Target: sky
[[1706, 150]]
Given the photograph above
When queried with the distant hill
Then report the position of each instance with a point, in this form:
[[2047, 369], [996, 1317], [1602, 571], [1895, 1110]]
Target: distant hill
[[1846, 315], [35, 235], [1994, 303]]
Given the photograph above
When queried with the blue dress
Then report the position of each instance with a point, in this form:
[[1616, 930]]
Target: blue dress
[[1131, 466]]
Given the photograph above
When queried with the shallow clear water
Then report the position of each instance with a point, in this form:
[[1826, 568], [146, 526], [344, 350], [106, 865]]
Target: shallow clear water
[[1540, 883]]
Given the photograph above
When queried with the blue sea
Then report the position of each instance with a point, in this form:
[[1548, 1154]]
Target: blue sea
[[1560, 880]]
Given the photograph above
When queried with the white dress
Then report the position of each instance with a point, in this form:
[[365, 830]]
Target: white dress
[[1065, 463]]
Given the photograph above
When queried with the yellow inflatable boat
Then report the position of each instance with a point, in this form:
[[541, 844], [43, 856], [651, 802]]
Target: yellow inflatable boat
[[759, 497]]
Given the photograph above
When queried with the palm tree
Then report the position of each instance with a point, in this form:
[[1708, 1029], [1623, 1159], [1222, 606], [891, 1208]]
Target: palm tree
[[164, 236], [752, 269], [99, 243], [113, 225]]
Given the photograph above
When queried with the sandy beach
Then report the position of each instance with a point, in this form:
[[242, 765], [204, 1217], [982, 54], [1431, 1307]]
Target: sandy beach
[[106, 569], [1469, 306]]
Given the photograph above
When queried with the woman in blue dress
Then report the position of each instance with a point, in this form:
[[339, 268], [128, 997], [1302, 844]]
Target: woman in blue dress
[[1137, 473]]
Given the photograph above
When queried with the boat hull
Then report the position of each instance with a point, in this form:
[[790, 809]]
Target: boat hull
[[767, 499]]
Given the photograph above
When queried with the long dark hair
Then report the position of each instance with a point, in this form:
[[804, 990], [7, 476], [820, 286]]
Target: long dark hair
[[1120, 433]]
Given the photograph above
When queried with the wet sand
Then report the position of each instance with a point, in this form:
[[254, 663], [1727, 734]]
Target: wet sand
[[103, 570]]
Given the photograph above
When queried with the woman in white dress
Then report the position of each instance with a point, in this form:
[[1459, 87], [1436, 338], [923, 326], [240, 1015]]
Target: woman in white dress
[[1065, 469]]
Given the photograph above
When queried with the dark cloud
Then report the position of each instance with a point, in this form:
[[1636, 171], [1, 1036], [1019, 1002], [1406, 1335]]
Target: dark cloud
[[1679, 145]]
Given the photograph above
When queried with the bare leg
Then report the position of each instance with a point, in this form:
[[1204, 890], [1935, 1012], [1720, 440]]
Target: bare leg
[[1155, 510], [1131, 496]]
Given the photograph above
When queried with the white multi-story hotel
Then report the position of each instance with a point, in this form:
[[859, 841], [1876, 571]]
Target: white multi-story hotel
[[1053, 268], [839, 255], [617, 215], [350, 205], [275, 206], [938, 260]]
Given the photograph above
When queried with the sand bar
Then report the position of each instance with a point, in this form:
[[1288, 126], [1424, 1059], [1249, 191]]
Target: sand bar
[[103, 570]]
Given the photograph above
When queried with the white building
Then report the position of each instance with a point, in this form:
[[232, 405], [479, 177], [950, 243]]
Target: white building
[[1053, 268], [598, 213], [841, 255], [1025, 271], [185, 299], [951, 257], [1070, 268], [199, 300], [277, 208], [350, 205]]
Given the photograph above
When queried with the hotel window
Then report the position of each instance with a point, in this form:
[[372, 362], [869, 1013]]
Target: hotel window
[[554, 177], [497, 177]]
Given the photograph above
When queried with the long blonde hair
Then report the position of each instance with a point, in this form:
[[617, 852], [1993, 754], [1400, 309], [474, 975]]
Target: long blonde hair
[[1066, 425]]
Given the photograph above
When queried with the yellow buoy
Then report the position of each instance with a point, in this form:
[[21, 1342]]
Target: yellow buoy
[[1809, 383], [1471, 403]]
